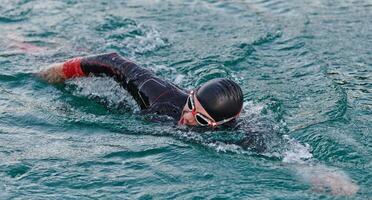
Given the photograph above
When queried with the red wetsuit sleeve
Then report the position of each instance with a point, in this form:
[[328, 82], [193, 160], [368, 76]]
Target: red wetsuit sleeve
[[72, 68]]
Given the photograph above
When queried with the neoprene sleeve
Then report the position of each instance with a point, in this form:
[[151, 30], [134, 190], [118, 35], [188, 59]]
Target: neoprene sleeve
[[152, 94], [72, 68]]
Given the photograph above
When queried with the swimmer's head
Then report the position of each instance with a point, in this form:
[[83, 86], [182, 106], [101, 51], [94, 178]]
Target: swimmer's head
[[215, 102]]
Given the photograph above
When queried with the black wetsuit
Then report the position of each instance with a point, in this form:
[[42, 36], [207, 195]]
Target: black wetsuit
[[152, 94]]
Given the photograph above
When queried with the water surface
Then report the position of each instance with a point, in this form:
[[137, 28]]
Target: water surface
[[304, 67]]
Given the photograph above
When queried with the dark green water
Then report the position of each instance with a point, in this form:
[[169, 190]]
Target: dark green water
[[304, 66]]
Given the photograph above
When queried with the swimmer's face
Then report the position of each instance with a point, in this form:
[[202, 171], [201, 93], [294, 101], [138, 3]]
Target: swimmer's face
[[188, 115]]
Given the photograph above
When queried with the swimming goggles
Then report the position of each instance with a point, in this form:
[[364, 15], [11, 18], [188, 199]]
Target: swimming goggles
[[201, 119]]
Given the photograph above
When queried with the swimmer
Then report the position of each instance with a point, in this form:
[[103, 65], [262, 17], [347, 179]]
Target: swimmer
[[212, 104]]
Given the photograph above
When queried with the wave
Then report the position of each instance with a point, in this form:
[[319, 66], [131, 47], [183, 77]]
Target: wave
[[130, 37], [105, 90]]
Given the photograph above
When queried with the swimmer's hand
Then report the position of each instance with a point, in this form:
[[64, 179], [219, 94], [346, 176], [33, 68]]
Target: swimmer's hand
[[324, 179], [53, 74]]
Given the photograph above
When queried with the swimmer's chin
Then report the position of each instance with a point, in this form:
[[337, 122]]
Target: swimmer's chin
[[181, 122]]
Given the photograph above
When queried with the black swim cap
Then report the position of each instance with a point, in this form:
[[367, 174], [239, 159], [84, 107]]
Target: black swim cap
[[221, 98]]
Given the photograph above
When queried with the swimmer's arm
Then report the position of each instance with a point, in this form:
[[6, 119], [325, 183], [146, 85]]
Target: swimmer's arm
[[92, 65], [59, 72], [129, 75]]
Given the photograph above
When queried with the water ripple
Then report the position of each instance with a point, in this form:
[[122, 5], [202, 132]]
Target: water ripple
[[304, 67]]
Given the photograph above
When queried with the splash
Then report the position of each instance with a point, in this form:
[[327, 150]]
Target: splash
[[130, 37], [148, 39], [105, 90], [296, 152]]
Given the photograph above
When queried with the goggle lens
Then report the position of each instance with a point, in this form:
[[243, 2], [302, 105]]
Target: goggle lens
[[201, 120], [190, 104]]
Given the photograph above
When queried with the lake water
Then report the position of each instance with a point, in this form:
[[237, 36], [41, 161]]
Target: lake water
[[305, 68]]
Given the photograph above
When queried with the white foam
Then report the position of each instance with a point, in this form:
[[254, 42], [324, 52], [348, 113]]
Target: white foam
[[250, 108], [222, 147], [149, 41], [104, 88], [296, 152], [179, 78]]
